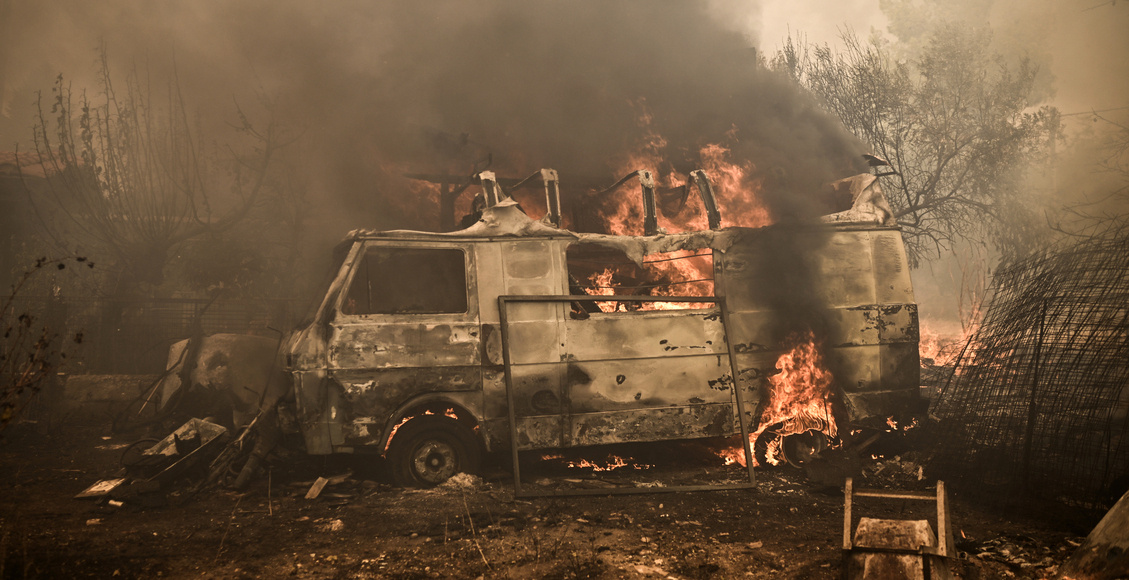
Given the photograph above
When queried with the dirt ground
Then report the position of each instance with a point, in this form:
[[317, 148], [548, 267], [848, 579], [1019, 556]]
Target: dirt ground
[[362, 527]]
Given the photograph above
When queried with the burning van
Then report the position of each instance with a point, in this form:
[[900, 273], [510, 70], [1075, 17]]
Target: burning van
[[431, 348]]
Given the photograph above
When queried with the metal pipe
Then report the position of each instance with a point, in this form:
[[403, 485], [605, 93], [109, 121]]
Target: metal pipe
[[491, 191], [552, 196], [647, 182], [705, 191], [650, 218]]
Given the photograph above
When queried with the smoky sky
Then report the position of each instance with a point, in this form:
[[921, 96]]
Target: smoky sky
[[374, 89]]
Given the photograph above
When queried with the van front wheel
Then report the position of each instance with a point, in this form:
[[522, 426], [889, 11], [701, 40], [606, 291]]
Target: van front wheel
[[429, 449]]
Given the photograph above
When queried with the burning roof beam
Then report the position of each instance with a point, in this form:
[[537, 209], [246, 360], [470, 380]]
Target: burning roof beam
[[705, 190], [647, 183]]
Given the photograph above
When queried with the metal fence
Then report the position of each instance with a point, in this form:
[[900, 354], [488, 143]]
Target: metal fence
[[1039, 400]]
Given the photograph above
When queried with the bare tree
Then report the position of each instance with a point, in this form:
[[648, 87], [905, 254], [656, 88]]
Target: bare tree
[[1102, 212], [955, 123], [136, 178]]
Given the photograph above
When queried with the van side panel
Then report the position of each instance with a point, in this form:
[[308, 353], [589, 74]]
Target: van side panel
[[377, 362], [529, 267], [860, 279], [638, 376]]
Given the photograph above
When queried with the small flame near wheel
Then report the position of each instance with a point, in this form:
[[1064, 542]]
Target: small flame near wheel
[[450, 412], [797, 422]]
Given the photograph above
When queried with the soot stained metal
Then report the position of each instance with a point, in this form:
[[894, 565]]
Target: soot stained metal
[[411, 337]]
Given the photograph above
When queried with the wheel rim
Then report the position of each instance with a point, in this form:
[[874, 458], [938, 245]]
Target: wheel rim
[[435, 461]]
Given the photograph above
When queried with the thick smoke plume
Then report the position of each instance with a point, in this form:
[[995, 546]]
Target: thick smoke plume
[[381, 88]]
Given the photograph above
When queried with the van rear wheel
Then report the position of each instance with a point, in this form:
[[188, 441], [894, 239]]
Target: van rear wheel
[[429, 449]]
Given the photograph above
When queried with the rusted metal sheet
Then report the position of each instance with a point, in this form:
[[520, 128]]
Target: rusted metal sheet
[[843, 272], [620, 368], [871, 323], [637, 370], [542, 432], [537, 389], [877, 404]]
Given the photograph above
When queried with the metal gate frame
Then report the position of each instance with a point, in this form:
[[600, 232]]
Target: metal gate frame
[[519, 491]]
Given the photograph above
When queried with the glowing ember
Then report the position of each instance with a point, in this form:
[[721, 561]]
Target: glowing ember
[[936, 348], [682, 273], [450, 412], [734, 185], [732, 455], [613, 462], [799, 400]]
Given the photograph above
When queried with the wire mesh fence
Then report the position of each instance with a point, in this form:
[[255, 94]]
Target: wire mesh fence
[[1039, 399]]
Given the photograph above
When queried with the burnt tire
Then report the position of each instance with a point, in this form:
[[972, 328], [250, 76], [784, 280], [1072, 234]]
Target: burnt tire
[[429, 449]]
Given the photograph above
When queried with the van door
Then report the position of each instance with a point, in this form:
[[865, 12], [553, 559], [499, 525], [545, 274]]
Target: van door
[[406, 325]]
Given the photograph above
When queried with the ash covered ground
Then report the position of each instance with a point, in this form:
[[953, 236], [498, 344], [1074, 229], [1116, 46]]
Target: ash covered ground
[[362, 527]]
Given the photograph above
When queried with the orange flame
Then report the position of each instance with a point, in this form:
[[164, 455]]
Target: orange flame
[[799, 400], [610, 463], [941, 348], [736, 192], [601, 285], [688, 273], [735, 187], [678, 273], [450, 412], [613, 462]]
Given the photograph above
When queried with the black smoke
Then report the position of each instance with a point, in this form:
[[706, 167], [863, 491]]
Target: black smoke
[[378, 88]]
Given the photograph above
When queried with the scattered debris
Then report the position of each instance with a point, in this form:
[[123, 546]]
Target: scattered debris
[[322, 482], [190, 445], [315, 489], [895, 472], [1105, 553], [649, 570], [101, 488], [332, 526], [1019, 553], [463, 481], [160, 462]]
